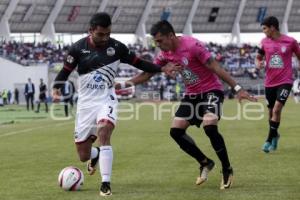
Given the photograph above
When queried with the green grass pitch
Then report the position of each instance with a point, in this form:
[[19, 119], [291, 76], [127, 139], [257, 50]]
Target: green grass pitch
[[148, 165]]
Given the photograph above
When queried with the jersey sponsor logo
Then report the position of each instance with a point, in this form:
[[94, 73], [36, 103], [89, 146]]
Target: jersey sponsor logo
[[188, 76], [98, 77], [95, 86], [85, 51], [276, 61], [70, 59], [110, 51]]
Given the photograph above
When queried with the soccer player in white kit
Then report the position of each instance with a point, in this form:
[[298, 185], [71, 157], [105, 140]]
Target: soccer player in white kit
[[97, 57]]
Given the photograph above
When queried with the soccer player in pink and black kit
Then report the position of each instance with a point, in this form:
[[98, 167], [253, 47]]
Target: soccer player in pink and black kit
[[277, 50], [203, 96]]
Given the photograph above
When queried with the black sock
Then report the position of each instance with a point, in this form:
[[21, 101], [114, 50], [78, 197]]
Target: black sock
[[66, 110], [273, 130], [38, 107], [218, 144], [187, 144]]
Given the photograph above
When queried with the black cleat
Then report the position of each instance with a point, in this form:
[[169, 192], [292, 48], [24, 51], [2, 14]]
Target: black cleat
[[105, 189], [92, 164], [227, 178], [204, 170]]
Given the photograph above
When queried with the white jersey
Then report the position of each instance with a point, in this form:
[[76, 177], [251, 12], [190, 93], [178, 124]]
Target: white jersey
[[97, 86], [97, 68]]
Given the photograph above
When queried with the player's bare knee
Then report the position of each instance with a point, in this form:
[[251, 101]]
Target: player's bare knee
[[210, 119]]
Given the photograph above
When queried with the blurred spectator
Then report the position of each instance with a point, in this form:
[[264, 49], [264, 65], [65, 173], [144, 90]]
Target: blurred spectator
[[161, 91], [4, 97], [9, 96], [16, 96], [1, 100], [29, 94], [68, 91], [42, 96]]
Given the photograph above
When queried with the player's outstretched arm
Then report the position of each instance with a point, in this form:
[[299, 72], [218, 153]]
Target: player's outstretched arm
[[169, 69], [59, 81], [138, 79], [214, 66]]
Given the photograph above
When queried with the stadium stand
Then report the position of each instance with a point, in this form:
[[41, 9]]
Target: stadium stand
[[51, 20]]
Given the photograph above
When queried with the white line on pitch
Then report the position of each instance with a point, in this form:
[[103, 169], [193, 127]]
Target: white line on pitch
[[31, 129]]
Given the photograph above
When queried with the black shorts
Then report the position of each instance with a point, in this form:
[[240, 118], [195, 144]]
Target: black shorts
[[193, 107], [68, 99], [42, 97], [278, 93]]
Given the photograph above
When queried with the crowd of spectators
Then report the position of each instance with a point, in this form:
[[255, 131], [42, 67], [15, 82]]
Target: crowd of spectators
[[231, 56], [238, 60], [29, 54]]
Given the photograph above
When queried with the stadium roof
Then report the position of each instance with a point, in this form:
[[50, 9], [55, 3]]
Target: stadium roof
[[136, 16]]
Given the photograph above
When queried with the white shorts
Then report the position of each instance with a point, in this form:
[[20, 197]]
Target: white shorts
[[88, 118]]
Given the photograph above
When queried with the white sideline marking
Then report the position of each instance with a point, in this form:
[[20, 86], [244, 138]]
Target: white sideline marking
[[31, 129]]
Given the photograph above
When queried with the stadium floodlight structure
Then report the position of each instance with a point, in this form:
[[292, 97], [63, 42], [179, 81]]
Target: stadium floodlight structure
[[188, 27], [48, 30], [236, 32], [141, 27], [284, 26], [102, 6], [5, 29]]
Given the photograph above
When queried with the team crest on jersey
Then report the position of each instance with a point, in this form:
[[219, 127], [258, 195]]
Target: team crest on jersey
[[189, 77], [276, 61], [283, 49], [70, 59], [185, 61], [97, 77], [110, 51]]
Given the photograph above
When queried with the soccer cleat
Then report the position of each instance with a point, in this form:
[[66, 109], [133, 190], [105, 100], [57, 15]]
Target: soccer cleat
[[92, 164], [266, 147], [227, 178], [204, 170], [274, 143], [105, 189]]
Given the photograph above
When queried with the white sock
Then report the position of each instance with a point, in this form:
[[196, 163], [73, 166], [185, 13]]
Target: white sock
[[105, 162], [94, 152]]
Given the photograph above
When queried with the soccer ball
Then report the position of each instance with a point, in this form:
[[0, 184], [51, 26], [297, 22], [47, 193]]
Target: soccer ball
[[70, 178]]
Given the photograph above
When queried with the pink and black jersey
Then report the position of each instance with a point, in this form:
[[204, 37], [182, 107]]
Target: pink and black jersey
[[192, 55], [278, 55]]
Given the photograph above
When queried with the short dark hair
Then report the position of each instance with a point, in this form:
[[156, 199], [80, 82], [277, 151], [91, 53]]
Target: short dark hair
[[100, 19], [271, 21], [163, 27]]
